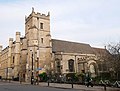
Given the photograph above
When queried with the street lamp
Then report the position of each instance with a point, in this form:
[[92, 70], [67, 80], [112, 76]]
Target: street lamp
[[6, 73], [37, 67], [32, 77]]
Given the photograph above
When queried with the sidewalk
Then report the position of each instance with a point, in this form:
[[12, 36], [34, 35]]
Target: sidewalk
[[80, 87]]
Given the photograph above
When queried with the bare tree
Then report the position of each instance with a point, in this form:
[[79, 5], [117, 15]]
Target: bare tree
[[114, 49]]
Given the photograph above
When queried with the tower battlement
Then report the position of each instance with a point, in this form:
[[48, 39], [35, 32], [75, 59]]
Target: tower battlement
[[17, 33], [37, 15], [0, 48], [10, 39]]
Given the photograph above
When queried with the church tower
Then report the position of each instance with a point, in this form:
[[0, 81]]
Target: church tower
[[37, 33]]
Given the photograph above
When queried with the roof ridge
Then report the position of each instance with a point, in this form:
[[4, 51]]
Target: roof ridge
[[70, 41]]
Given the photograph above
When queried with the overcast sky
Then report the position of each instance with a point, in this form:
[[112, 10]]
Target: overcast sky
[[95, 22]]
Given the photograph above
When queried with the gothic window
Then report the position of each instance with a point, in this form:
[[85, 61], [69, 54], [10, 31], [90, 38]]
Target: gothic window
[[71, 65], [13, 59], [37, 18], [58, 65], [41, 40], [41, 25], [61, 66]]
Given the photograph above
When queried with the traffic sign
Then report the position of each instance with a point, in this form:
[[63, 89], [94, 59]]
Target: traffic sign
[[39, 68]]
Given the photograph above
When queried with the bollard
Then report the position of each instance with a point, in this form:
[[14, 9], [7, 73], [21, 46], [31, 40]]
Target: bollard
[[9, 80], [72, 82], [48, 79], [32, 79], [37, 82], [48, 83], [20, 82], [105, 87]]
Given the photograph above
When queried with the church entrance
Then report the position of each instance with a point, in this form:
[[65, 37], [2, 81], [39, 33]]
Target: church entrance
[[93, 69]]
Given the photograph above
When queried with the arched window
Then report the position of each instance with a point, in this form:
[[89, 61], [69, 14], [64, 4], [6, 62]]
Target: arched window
[[13, 59], [58, 65], [71, 65], [41, 25]]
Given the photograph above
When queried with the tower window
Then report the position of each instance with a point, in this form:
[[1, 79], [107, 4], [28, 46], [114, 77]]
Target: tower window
[[28, 26], [41, 40], [37, 18], [13, 59], [41, 25]]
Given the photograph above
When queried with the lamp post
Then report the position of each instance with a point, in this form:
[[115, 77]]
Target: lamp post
[[32, 77], [48, 73], [6, 73], [20, 78], [37, 66]]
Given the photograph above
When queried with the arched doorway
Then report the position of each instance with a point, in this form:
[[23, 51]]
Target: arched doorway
[[92, 68]]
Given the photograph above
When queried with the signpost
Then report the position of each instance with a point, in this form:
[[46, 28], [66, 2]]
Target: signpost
[[38, 69]]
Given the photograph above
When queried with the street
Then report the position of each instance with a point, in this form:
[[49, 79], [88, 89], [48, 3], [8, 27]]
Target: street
[[23, 87], [16, 86]]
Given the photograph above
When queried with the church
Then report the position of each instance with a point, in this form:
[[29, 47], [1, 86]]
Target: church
[[36, 53]]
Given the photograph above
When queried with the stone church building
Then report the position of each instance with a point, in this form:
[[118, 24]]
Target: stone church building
[[36, 52]]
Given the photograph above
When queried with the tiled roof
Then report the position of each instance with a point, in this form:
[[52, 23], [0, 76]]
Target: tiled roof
[[71, 47], [100, 51]]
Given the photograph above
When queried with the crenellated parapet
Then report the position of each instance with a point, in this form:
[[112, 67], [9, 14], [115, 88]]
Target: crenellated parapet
[[10, 42], [0, 48], [17, 43], [37, 15], [10, 47], [17, 33], [17, 37]]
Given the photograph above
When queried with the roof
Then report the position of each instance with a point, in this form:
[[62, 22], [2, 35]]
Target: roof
[[100, 51], [71, 47]]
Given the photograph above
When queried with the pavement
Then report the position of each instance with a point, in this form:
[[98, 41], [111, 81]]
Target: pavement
[[69, 86], [79, 87]]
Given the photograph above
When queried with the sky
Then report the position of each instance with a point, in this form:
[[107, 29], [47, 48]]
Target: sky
[[94, 22]]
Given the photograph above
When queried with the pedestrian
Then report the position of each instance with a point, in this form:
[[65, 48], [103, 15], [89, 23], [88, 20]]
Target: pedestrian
[[37, 81], [89, 81]]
